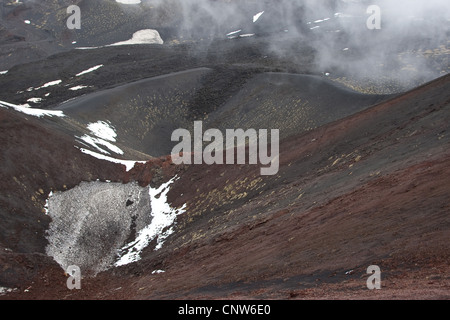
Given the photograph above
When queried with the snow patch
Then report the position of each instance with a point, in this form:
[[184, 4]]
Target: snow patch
[[164, 217], [232, 34], [46, 202], [3, 72], [35, 100], [103, 130], [157, 271], [78, 88], [129, 164], [4, 290], [46, 85], [104, 134], [95, 142], [146, 36], [257, 16], [49, 84], [87, 48], [92, 221], [32, 111], [129, 1], [89, 70]]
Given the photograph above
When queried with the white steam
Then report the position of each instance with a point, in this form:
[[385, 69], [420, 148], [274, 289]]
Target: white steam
[[335, 29]]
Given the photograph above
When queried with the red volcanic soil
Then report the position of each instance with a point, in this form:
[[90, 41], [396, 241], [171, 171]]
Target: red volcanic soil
[[371, 189]]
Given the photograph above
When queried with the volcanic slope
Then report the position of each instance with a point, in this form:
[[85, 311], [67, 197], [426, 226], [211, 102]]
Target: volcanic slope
[[142, 115], [36, 158], [34, 30], [145, 113], [367, 189]]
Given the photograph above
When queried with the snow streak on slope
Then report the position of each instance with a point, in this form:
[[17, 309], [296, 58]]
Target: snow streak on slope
[[76, 88], [105, 134], [129, 1], [163, 217], [97, 143], [89, 70], [103, 130], [129, 164], [32, 111]]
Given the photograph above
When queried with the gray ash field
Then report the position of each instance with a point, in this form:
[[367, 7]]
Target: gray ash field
[[87, 177]]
